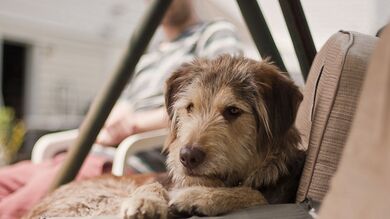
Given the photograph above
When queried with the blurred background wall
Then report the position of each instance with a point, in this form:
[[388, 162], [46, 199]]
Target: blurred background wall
[[56, 54]]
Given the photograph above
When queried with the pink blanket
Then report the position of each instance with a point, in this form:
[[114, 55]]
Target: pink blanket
[[24, 184]]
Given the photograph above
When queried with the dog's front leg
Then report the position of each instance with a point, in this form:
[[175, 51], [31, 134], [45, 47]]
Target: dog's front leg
[[147, 201], [199, 200]]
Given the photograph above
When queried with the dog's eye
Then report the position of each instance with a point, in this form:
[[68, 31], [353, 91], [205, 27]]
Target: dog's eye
[[190, 107], [231, 112]]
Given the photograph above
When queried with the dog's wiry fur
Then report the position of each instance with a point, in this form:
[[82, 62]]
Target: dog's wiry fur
[[257, 149], [240, 113]]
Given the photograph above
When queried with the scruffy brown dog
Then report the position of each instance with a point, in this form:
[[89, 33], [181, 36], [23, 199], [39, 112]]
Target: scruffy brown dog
[[232, 145]]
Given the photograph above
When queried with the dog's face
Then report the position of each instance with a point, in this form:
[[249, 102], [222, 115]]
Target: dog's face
[[224, 115]]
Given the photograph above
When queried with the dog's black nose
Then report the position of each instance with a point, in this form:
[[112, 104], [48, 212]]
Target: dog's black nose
[[191, 157]]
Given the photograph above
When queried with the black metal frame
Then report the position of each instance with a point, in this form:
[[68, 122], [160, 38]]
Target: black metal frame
[[106, 99], [260, 32], [300, 33]]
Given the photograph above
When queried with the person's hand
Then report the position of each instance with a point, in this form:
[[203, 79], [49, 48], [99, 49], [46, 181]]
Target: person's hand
[[120, 124]]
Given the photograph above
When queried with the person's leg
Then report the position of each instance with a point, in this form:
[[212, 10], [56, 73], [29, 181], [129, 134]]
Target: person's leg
[[19, 202], [15, 176], [94, 165]]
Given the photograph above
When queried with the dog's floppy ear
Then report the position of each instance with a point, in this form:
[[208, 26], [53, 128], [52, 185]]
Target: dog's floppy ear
[[175, 83], [282, 97]]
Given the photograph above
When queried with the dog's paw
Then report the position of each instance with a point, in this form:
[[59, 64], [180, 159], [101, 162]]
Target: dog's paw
[[139, 208], [191, 201], [147, 201]]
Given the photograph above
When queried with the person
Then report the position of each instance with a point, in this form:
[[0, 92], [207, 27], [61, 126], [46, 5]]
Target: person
[[139, 109]]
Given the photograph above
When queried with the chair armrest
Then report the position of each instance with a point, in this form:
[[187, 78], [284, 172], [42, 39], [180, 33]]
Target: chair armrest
[[134, 144], [49, 145]]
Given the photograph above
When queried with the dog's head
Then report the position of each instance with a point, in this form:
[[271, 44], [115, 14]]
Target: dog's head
[[226, 116]]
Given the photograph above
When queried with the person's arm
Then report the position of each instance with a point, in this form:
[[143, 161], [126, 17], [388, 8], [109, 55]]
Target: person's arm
[[150, 120], [122, 123]]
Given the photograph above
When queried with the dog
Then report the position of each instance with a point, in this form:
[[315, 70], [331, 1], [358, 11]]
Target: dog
[[232, 145]]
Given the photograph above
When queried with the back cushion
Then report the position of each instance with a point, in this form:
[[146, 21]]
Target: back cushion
[[326, 113]]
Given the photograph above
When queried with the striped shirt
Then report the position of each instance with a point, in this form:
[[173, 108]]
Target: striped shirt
[[208, 39]]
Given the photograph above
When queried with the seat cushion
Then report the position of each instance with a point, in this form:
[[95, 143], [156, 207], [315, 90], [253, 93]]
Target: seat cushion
[[360, 188], [326, 113]]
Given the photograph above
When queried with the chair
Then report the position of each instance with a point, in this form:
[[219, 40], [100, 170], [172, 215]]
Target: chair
[[360, 187], [324, 119], [51, 144], [327, 111]]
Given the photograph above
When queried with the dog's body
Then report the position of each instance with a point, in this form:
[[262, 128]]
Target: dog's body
[[232, 145]]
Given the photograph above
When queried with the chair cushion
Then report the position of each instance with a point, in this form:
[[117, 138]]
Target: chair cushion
[[326, 113], [360, 188]]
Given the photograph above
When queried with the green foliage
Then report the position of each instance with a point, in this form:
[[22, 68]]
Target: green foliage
[[11, 134]]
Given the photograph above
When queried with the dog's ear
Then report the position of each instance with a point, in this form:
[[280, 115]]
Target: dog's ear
[[282, 97], [173, 86], [175, 83]]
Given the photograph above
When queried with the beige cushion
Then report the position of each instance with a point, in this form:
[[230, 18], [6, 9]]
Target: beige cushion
[[361, 186], [326, 113]]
